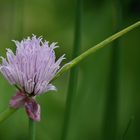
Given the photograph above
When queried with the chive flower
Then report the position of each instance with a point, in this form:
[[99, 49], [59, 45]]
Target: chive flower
[[31, 69]]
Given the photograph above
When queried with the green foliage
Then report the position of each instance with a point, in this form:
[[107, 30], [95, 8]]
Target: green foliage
[[55, 21]]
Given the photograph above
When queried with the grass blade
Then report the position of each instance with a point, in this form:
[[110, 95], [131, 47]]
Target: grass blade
[[74, 72], [110, 121], [95, 48], [7, 113]]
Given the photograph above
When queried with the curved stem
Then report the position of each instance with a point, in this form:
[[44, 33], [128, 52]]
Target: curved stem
[[31, 129], [5, 114], [95, 48]]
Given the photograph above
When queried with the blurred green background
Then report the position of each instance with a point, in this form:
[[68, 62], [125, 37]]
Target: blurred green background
[[108, 96]]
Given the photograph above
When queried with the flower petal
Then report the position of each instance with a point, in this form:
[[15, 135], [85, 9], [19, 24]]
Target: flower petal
[[33, 66], [18, 100], [33, 109], [49, 87]]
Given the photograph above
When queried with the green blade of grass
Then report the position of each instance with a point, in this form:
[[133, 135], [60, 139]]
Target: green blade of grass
[[74, 72], [110, 118], [95, 48], [6, 113]]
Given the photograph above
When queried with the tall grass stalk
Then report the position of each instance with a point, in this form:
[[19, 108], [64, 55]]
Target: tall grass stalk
[[95, 48], [74, 72], [111, 105]]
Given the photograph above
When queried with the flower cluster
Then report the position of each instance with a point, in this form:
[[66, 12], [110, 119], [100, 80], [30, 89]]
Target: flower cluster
[[31, 69]]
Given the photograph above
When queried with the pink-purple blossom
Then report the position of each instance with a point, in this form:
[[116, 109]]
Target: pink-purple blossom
[[31, 68]]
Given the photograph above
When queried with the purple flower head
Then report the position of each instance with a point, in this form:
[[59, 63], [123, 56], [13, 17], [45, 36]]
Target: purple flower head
[[31, 69]]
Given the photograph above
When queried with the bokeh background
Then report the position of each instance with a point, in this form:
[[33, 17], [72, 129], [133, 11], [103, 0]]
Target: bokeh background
[[107, 101]]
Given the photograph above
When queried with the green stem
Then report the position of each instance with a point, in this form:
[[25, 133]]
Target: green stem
[[31, 129], [95, 48], [110, 116], [4, 115], [72, 88]]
